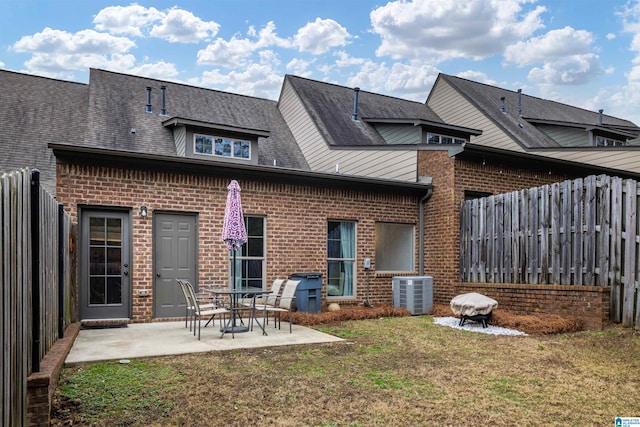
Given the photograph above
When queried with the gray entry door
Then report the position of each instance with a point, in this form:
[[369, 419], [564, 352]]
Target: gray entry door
[[104, 290], [175, 257]]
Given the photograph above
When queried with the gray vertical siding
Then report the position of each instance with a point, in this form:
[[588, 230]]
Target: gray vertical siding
[[400, 134], [180, 137], [567, 137]]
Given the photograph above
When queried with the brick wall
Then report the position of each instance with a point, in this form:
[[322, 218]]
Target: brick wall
[[451, 178], [296, 220], [589, 304], [41, 385]]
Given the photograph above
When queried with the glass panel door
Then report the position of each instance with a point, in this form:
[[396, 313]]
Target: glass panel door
[[104, 287]]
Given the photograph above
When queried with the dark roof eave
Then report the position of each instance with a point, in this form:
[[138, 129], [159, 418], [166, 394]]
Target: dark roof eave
[[114, 158], [175, 121], [461, 129], [424, 123], [474, 149]]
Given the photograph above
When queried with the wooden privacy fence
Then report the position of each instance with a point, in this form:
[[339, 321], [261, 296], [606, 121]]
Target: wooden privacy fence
[[35, 270], [584, 232]]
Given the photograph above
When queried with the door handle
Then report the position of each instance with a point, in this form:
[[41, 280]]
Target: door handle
[[157, 274], [126, 272]]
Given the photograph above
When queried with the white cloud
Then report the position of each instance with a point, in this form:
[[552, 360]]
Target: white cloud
[[55, 52], [570, 70], [477, 76], [127, 20], [567, 56], [267, 37], [409, 81], [320, 36], [232, 53], [552, 45], [412, 81], [63, 65], [182, 26], [371, 77], [158, 70], [269, 57], [174, 25], [52, 42], [255, 80], [299, 67], [238, 51], [346, 60], [437, 30]]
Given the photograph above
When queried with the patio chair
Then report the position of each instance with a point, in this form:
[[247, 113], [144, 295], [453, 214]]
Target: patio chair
[[283, 304], [201, 311], [269, 300], [187, 301], [189, 307]]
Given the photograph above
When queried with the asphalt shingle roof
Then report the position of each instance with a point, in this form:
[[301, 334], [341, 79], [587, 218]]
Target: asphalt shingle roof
[[487, 99], [331, 107], [36, 111], [117, 104]]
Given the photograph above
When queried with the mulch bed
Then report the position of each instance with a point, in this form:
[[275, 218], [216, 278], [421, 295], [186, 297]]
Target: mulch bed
[[540, 324]]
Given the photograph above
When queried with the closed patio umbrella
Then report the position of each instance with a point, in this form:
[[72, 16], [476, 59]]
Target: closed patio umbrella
[[234, 232]]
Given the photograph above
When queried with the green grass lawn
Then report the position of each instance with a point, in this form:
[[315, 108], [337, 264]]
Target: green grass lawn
[[403, 371]]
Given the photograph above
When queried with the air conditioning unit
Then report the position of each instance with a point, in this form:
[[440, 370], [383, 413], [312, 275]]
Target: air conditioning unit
[[415, 293]]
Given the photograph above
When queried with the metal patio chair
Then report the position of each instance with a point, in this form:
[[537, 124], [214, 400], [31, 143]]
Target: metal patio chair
[[283, 305]]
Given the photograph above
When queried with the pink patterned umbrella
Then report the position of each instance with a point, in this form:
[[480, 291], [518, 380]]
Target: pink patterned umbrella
[[234, 232]]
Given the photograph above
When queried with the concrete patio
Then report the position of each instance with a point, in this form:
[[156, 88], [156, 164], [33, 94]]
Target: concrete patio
[[171, 338]]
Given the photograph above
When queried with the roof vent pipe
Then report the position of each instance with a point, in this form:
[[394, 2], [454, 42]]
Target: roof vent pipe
[[148, 109], [502, 108], [354, 116], [163, 110], [600, 117], [519, 102]]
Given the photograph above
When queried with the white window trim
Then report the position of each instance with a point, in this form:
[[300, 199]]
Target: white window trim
[[213, 148], [355, 264], [412, 246]]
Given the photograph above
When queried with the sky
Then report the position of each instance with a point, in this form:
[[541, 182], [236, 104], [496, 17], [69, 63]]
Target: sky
[[580, 52]]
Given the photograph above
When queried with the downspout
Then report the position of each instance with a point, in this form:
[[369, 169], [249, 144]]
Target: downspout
[[423, 201]]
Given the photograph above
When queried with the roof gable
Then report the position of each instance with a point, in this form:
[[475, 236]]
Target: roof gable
[[118, 104], [517, 113], [332, 108]]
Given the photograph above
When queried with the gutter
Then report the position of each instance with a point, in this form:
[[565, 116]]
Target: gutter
[[146, 161]]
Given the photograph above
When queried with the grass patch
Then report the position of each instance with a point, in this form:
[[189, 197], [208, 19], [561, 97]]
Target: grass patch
[[134, 391], [396, 371]]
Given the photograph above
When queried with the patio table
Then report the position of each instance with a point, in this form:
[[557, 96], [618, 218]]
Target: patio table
[[235, 297]]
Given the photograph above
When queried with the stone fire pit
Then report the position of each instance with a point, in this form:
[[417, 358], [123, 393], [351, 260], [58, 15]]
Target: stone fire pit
[[473, 306]]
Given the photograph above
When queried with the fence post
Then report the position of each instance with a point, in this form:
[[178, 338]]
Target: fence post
[[35, 267], [61, 272]]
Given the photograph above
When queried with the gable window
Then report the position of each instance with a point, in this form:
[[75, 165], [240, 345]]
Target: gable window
[[395, 245], [434, 138], [222, 147], [608, 142], [250, 260], [341, 258]]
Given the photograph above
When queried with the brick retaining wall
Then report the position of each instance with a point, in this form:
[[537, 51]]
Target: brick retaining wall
[[589, 304], [41, 385]]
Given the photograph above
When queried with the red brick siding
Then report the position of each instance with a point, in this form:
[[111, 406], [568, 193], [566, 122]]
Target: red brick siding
[[589, 304], [451, 178], [296, 222]]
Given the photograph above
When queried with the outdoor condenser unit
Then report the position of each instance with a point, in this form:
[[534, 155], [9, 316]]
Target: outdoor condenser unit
[[414, 293]]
